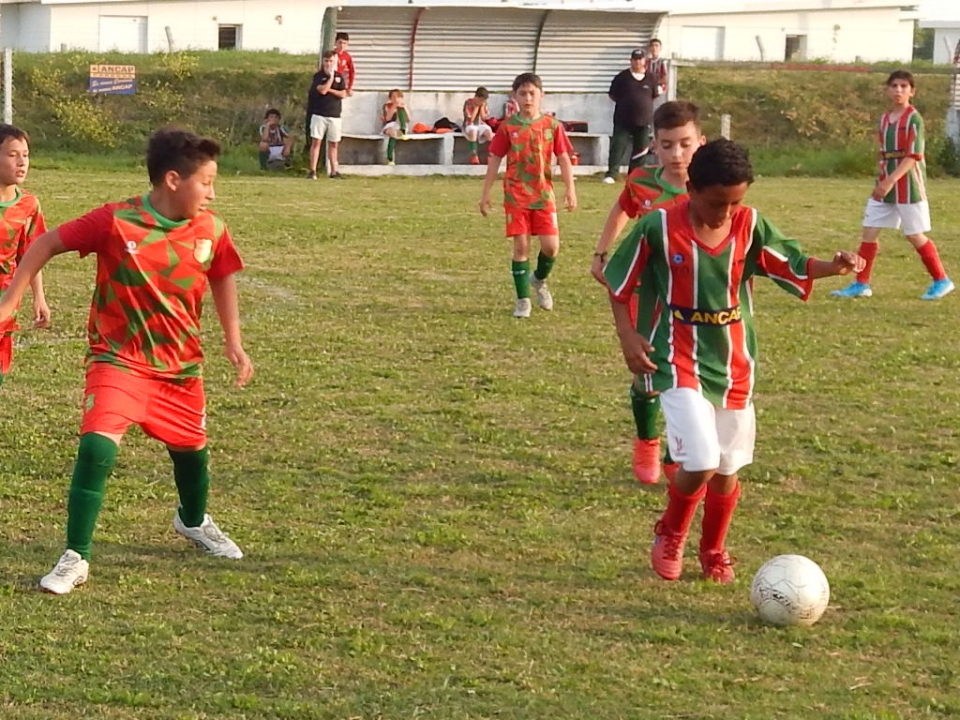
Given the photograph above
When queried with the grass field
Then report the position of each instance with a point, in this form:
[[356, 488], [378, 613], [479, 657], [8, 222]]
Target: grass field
[[436, 501]]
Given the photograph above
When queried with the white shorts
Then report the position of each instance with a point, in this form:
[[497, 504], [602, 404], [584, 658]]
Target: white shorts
[[391, 126], [484, 131], [915, 217], [325, 127], [276, 152], [705, 437]]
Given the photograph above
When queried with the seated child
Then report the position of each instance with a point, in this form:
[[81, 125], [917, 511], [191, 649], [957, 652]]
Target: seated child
[[396, 119], [276, 142], [475, 127]]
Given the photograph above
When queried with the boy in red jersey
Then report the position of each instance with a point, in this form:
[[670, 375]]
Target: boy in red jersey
[[155, 256], [694, 264], [529, 140], [900, 195], [676, 137], [345, 60], [22, 222]]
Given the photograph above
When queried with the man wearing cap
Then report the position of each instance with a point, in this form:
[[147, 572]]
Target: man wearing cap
[[633, 90]]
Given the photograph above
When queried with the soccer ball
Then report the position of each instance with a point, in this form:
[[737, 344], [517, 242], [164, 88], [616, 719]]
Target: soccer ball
[[790, 590]]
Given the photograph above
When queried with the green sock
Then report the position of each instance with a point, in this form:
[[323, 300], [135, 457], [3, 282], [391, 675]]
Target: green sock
[[544, 266], [95, 458], [264, 156], [193, 481], [645, 409], [391, 146], [402, 120], [473, 146], [521, 277]]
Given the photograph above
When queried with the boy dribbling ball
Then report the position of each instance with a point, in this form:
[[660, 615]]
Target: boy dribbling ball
[[156, 254], [529, 140]]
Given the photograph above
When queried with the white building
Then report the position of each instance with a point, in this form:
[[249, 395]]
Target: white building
[[556, 32], [842, 31]]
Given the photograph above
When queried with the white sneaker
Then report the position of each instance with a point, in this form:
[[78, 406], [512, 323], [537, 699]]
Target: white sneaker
[[608, 180], [70, 571], [208, 537], [544, 298], [522, 310]]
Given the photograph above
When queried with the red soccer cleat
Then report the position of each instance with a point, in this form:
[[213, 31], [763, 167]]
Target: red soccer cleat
[[717, 566], [666, 555], [646, 460]]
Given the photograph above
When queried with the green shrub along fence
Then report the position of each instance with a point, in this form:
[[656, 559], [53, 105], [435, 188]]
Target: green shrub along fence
[[808, 121]]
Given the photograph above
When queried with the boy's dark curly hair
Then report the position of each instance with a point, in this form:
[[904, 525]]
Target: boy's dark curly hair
[[720, 162]]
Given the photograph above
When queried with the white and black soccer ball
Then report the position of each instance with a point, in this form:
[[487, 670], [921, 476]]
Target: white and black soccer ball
[[790, 590]]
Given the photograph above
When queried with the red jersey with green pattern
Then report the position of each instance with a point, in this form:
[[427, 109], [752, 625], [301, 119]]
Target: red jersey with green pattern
[[646, 191], [22, 221], [529, 147], [151, 277], [902, 138], [702, 297]]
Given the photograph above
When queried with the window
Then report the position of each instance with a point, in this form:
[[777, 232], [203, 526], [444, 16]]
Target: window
[[796, 48], [228, 37]]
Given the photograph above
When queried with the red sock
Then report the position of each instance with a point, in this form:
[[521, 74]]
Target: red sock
[[868, 251], [681, 508], [931, 260], [717, 514]]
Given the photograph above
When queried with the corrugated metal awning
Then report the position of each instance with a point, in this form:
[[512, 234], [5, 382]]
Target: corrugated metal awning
[[380, 44], [582, 51]]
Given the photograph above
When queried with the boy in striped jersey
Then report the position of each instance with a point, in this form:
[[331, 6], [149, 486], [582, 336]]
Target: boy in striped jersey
[[900, 195], [694, 263], [676, 137]]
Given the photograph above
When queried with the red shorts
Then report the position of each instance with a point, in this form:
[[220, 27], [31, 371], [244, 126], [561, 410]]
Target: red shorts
[[6, 354], [521, 221], [171, 412]]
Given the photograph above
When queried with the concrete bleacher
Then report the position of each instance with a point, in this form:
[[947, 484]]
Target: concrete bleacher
[[363, 146]]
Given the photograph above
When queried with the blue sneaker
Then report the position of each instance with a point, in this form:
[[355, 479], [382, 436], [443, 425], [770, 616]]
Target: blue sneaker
[[938, 289], [856, 290]]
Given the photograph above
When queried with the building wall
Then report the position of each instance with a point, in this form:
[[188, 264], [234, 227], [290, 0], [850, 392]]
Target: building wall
[[869, 35], [25, 27], [289, 25], [945, 44]]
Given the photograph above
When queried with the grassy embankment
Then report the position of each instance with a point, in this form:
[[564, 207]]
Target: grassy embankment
[[798, 122]]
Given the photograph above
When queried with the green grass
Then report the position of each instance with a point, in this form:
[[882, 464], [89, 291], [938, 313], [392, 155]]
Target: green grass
[[436, 500]]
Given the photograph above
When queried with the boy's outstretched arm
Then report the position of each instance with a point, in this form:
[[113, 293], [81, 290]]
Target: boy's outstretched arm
[[612, 227], [224, 291], [636, 349], [36, 256], [843, 263], [566, 172], [493, 168]]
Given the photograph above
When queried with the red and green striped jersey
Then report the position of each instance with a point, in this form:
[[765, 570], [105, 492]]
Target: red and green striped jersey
[[700, 299], [646, 191], [902, 138], [151, 276], [529, 146], [22, 221]]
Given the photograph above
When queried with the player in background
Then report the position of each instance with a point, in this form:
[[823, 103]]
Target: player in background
[[156, 254], [395, 118], [22, 222], [900, 195], [529, 140], [475, 127], [345, 60], [676, 137], [695, 260]]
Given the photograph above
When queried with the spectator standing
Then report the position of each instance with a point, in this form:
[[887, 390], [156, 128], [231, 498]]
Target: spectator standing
[[325, 105], [657, 66], [633, 91], [345, 60]]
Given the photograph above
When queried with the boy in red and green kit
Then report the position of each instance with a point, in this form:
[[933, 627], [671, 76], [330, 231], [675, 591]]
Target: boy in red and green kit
[[22, 221], [899, 198], [676, 137], [529, 140], [156, 254], [694, 263]]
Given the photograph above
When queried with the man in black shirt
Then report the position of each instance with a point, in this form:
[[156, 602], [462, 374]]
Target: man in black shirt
[[324, 105], [633, 90]]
